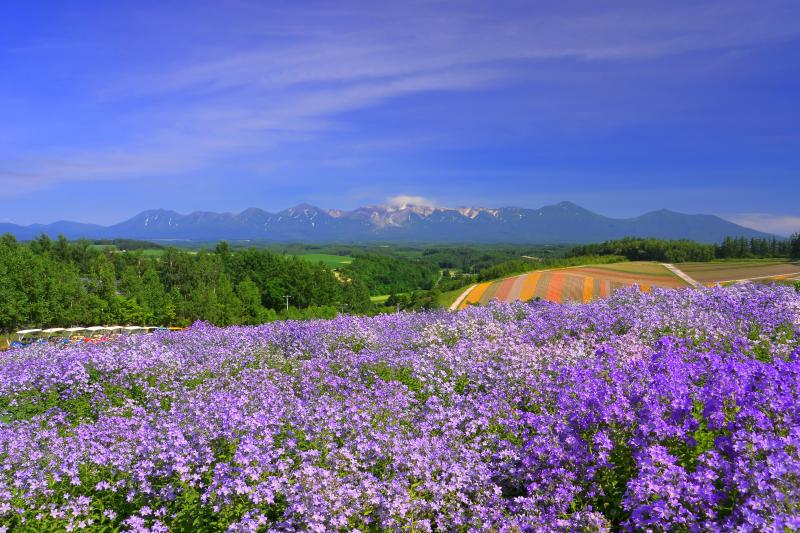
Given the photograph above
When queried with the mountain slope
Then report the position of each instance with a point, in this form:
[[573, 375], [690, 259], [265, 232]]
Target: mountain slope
[[564, 222]]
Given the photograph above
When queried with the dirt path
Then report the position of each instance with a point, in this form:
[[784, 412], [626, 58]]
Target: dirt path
[[454, 305], [681, 274]]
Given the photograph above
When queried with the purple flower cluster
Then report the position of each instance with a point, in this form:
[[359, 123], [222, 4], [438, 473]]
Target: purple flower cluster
[[661, 411]]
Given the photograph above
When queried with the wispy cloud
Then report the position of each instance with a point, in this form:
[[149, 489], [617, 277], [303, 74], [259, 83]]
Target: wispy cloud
[[422, 38], [778, 224], [403, 200], [299, 71]]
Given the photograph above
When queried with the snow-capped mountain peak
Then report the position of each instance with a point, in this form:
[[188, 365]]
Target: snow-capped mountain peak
[[405, 221]]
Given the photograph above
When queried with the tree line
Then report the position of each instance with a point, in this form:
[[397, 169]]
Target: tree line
[[742, 247], [678, 251], [57, 283], [468, 259]]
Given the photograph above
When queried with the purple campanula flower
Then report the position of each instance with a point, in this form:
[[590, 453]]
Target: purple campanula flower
[[670, 410]]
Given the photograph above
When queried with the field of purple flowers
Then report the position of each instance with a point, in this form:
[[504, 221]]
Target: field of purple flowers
[[675, 410]]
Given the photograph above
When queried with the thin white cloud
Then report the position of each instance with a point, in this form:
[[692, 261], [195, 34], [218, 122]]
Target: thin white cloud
[[425, 38], [403, 200], [778, 224], [223, 101], [206, 134]]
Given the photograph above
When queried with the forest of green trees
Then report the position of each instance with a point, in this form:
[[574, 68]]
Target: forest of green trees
[[385, 274], [59, 283]]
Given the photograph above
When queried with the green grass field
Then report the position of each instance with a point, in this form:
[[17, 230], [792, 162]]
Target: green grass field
[[329, 260], [446, 299], [146, 252], [152, 252]]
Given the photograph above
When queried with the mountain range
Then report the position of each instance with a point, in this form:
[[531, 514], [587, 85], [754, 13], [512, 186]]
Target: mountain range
[[564, 222]]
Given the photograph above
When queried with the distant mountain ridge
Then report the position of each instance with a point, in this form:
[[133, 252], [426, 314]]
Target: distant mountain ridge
[[564, 222]]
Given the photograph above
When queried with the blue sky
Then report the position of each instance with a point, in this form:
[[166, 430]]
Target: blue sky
[[110, 108]]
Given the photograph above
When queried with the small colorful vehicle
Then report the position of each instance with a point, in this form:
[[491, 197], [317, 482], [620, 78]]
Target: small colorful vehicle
[[79, 334], [74, 335], [56, 336], [26, 337], [96, 334]]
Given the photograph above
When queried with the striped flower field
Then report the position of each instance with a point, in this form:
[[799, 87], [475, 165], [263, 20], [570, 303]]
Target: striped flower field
[[578, 284]]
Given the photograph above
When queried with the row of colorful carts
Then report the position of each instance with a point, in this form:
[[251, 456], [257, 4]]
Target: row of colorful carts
[[77, 335]]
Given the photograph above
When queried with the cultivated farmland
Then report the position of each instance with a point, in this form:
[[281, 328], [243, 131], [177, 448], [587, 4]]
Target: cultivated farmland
[[730, 271], [578, 284]]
